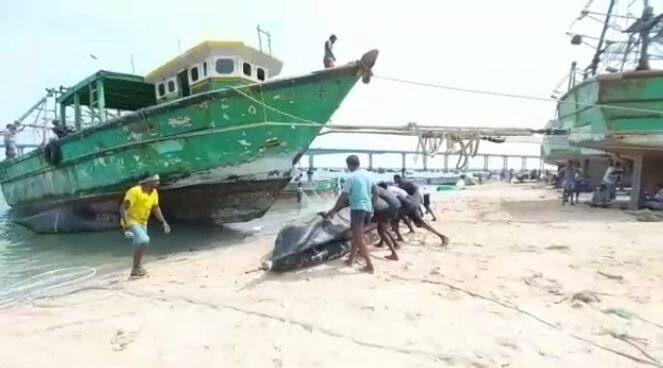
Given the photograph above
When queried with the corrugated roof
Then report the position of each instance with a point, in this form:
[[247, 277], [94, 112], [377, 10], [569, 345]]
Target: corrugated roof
[[121, 91]]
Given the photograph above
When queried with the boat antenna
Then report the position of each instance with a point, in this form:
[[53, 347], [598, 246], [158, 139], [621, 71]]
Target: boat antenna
[[133, 66], [597, 55], [262, 32]]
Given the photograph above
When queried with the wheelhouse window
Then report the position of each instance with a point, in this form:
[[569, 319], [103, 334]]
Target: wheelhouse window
[[171, 86], [246, 68], [225, 66], [205, 69], [194, 74], [161, 90], [261, 74]]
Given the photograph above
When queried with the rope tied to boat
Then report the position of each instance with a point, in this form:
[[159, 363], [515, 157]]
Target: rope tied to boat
[[433, 143]]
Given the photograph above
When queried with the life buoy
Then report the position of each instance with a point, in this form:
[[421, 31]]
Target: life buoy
[[52, 153]]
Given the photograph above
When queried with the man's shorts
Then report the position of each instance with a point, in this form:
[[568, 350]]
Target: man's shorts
[[359, 217], [329, 63], [411, 210], [426, 200], [140, 236]]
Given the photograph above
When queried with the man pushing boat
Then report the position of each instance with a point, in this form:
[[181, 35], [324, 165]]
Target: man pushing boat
[[360, 193], [139, 203]]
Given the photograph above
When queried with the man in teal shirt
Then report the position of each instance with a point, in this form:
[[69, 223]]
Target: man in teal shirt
[[359, 192]]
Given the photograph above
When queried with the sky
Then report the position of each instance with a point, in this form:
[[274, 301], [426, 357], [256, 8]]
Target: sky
[[515, 46]]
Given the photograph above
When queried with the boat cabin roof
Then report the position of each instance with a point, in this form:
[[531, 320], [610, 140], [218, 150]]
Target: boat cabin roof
[[121, 91], [208, 49]]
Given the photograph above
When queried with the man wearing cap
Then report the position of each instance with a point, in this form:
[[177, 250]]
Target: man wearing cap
[[139, 202]]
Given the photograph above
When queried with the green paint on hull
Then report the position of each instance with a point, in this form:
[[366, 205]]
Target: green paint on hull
[[203, 139], [615, 126]]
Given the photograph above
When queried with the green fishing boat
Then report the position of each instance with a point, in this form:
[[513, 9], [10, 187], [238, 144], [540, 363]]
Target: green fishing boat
[[615, 109], [217, 126]]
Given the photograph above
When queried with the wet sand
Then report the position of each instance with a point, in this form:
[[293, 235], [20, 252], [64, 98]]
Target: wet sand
[[524, 283]]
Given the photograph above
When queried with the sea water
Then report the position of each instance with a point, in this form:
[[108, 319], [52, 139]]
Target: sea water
[[33, 266]]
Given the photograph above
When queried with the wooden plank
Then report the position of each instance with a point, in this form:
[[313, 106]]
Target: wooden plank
[[636, 183]]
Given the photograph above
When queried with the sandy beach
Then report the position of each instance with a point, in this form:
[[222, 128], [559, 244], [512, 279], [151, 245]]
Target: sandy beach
[[524, 283]]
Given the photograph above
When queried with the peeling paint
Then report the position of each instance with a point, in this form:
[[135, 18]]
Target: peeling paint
[[244, 142], [226, 117], [134, 136], [224, 106], [255, 170], [168, 146], [252, 110], [276, 97], [180, 121]]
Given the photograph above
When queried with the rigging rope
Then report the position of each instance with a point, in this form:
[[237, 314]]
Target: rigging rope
[[519, 96]]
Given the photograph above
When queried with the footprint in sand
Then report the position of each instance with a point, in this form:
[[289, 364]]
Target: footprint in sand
[[122, 339]]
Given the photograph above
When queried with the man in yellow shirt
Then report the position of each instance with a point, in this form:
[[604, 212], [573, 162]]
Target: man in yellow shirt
[[139, 202]]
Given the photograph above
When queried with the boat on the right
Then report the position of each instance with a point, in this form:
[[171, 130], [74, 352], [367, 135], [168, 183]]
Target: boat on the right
[[613, 108]]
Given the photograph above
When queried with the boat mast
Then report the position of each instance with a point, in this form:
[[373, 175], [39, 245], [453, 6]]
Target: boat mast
[[647, 14], [597, 56]]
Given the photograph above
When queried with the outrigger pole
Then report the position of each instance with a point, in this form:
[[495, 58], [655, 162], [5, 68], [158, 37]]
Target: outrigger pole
[[438, 139]]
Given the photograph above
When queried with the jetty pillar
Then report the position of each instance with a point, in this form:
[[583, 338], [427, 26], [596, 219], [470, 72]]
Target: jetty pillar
[[524, 163], [446, 162], [425, 162], [370, 162], [505, 162], [485, 162], [310, 161], [636, 183], [403, 164]]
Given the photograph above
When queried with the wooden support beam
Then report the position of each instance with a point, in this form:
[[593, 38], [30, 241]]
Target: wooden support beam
[[101, 100], [636, 183], [446, 162], [370, 161], [77, 112]]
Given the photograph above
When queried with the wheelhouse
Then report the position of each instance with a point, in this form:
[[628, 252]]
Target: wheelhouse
[[209, 66]]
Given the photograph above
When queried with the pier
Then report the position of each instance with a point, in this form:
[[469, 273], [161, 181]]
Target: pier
[[447, 159]]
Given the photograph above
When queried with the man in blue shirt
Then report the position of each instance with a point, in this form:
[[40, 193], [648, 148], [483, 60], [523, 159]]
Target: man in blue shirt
[[360, 194]]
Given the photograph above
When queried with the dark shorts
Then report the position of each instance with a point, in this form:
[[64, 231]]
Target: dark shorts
[[410, 210], [359, 217], [426, 200], [386, 214]]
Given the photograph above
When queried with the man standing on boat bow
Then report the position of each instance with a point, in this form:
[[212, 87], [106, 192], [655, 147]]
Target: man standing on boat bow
[[329, 58], [139, 202]]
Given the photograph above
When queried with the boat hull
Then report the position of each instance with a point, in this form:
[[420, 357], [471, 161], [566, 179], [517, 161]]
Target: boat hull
[[207, 203], [223, 156]]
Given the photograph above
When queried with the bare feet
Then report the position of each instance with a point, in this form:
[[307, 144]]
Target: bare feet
[[368, 269], [379, 245], [393, 257], [138, 272], [445, 240], [348, 262]]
